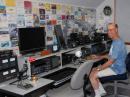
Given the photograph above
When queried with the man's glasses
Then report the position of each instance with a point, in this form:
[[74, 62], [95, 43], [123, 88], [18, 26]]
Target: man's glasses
[[109, 30]]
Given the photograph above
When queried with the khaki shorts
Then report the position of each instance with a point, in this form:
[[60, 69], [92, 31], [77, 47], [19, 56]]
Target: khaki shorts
[[106, 72]]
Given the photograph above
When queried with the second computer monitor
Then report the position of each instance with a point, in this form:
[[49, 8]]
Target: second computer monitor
[[60, 36]]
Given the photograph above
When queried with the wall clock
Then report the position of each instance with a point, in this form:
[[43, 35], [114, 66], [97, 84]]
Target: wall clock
[[107, 10]]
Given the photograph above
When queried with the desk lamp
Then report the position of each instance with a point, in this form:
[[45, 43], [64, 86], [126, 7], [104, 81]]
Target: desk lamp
[[79, 54]]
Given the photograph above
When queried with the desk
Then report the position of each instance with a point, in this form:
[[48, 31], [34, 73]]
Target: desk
[[42, 85]]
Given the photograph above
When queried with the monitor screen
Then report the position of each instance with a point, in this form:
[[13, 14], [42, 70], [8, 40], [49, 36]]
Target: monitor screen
[[31, 39], [60, 36]]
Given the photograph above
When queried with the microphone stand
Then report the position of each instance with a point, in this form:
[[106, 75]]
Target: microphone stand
[[22, 75]]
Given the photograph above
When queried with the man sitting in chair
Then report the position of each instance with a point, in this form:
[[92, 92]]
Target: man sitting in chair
[[115, 64]]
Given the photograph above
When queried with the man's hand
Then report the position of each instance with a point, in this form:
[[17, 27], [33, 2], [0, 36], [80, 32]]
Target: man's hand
[[95, 69], [95, 56]]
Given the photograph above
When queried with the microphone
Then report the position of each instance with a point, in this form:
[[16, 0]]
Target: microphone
[[23, 71], [25, 68]]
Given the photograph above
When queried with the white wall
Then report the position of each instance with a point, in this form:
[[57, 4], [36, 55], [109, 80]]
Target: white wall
[[123, 18], [101, 19], [82, 3]]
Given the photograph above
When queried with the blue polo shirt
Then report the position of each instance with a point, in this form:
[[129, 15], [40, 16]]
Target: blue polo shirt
[[118, 53]]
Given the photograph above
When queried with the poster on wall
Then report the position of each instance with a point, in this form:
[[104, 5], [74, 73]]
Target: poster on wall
[[28, 7], [11, 10], [35, 11], [20, 10], [2, 2], [49, 34], [53, 8], [10, 3], [58, 7], [42, 23], [41, 4], [41, 11], [35, 4], [4, 31], [53, 22], [58, 17], [42, 17], [66, 9], [2, 10], [13, 31], [29, 20], [5, 41], [48, 22], [20, 3], [36, 21], [3, 17], [59, 22], [20, 20], [5, 44], [11, 18], [47, 6], [11, 14], [3, 21], [13, 34], [47, 16], [14, 43], [69, 9]]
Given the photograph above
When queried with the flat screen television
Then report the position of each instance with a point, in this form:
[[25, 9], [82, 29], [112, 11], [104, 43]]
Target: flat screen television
[[31, 39]]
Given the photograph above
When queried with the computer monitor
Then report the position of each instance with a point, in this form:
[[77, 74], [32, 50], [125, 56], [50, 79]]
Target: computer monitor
[[31, 39], [60, 36]]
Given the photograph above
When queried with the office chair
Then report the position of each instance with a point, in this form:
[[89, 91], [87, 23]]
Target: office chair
[[78, 79], [121, 78]]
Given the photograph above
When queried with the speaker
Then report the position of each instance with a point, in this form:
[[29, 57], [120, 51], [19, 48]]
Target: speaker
[[8, 68], [67, 58]]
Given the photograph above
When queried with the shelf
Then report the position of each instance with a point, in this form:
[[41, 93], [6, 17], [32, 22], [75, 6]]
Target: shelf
[[38, 56], [57, 53]]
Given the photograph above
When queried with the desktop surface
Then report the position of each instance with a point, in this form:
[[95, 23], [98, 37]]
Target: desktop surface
[[18, 92]]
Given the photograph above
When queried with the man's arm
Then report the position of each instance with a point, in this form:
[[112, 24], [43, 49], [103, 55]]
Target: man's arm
[[99, 56], [105, 65]]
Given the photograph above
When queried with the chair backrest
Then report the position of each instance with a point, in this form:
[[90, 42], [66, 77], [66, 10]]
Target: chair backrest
[[77, 79], [127, 62]]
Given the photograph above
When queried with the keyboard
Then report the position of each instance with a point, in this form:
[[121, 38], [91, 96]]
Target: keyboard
[[61, 76]]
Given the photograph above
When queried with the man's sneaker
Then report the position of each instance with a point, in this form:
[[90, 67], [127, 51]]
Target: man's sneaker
[[102, 93], [97, 96]]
